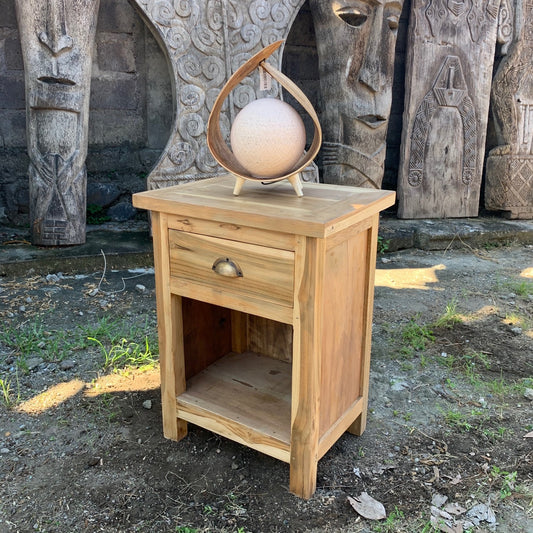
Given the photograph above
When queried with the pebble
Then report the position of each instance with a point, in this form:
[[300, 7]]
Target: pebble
[[147, 404], [516, 330], [33, 362], [67, 364], [4, 451], [52, 278], [528, 393], [140, 288]]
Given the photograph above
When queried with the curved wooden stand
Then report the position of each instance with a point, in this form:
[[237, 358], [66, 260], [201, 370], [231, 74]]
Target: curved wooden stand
[[221, 151]]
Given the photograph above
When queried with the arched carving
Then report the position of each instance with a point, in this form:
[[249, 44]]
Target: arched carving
[[206, 41]]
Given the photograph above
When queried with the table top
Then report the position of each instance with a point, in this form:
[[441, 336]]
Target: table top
[[322, 211]]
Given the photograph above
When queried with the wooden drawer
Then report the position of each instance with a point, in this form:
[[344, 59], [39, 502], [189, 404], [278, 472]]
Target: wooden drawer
[[265, 274]]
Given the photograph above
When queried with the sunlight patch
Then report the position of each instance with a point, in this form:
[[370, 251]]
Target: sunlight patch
[[127, 381], [527, 273], [408, 278], [124, 382], [51, 397]]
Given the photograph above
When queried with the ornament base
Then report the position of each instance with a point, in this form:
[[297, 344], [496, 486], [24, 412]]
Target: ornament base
[[294, 180]]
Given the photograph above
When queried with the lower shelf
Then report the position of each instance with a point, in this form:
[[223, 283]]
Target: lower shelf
[[244, 397]]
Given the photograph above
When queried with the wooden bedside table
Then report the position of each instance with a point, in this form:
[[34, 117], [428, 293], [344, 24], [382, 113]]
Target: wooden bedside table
[[264, 305]]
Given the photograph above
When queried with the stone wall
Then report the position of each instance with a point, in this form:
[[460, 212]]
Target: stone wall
[[131, 106]]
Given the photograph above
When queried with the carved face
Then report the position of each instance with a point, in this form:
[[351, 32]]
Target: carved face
[[57, 38], [55, 35], [356, 40]]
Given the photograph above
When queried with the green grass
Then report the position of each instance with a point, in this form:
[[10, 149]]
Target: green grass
[[415, 337], [465, 421], [523, 287], [124, 353], [506, 481], [8, 396], [450, 317], [521, 321], [96, 214], [383, 245], [391, 523], [122, 344]]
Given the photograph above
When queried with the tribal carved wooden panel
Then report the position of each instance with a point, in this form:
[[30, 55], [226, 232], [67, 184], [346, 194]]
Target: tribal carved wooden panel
[[509, 175], [450, 56], [206, 41], [57, 42]]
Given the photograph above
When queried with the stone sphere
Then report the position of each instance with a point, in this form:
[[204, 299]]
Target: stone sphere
[[268, 138]]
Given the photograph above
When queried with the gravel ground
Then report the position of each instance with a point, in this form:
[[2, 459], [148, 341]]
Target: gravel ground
[[448, 444]]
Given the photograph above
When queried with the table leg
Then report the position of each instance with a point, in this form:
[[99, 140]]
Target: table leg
[[170, 328], [306, 368]]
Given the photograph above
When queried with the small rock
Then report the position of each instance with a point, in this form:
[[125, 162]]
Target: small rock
[[94, 461], [481, 513], [528, 393], [29, 300], [67, 364], [234, 466], [33, 362], [438, 500], [140, 288], [5, 451], [52, 278], [516, 330], [147, 404], [22, 308]]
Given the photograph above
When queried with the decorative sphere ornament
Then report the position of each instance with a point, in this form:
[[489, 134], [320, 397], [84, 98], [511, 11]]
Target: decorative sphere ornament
[[268, 138]]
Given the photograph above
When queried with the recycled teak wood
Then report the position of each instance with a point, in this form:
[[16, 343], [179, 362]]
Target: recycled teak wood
[[264, 305]]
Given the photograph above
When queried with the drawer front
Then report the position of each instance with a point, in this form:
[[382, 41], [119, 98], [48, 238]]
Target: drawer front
[[239, 269]]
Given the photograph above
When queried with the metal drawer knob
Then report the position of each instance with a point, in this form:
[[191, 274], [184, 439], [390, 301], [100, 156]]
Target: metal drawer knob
[[226, 267]]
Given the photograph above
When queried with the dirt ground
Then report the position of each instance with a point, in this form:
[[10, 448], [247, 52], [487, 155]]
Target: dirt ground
[[448, 445]]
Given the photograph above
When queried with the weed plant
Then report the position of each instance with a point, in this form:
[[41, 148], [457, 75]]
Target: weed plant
[[123, 344]]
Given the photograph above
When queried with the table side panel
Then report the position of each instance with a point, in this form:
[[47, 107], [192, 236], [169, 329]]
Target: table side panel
[[343, 327]]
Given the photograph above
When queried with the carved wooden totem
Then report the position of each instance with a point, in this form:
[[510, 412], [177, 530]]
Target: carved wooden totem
[[451, 46], [355, 43], [57, 43], [509, 174], [206, 41]]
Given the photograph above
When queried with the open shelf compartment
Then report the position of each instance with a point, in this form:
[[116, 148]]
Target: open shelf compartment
[[241, 386], [245, 397]]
